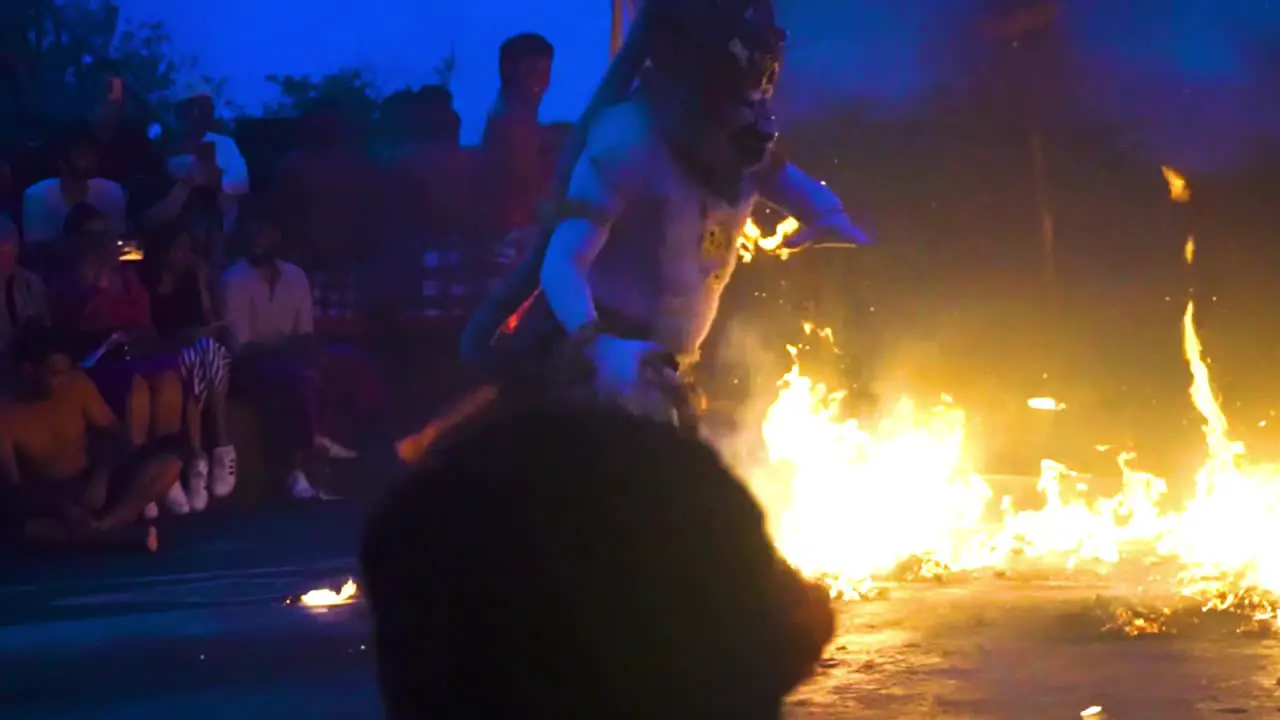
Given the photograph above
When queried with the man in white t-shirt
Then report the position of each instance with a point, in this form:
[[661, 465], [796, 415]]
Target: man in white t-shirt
[[45, 204], [195, 114]]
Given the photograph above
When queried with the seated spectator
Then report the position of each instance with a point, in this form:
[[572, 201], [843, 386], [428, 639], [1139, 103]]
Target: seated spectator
[[598, 566], [182, 310], [67, 461], [104, 306], [45, 205], [267, 307], [25, 301]]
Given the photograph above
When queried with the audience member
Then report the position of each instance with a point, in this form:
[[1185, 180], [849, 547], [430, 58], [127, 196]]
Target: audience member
[[182, 310], [206, 175], [196, 120], [125, 152], [324, 192], [26, 302], [104, 305], [45, 204], [67, 461], [267, 306], [583, 565], [514, 173], [425, 203]]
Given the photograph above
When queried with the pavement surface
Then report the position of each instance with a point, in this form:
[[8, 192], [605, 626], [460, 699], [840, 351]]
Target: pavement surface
[[201, 630]]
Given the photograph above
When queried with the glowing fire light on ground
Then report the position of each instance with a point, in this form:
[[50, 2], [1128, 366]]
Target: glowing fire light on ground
[[327, 597], [850, 502]]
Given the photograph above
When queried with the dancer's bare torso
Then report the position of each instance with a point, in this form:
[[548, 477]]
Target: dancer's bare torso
[[673, 248]]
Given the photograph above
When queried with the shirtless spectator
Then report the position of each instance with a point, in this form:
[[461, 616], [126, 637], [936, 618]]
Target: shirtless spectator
[[182, 311], [25, 301], [67, 461], [268, 309], [104, 307], [647, 585], [45, 205], [324, 193], [514, 172]]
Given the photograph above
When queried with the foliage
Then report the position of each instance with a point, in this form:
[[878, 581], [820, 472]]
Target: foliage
[[445, 68], [51, 47], [349, 88]]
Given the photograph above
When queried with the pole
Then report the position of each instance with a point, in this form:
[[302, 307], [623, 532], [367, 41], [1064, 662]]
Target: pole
[[618, 28]]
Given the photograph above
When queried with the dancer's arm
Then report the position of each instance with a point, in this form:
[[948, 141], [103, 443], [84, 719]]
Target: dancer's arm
[[611, 172]]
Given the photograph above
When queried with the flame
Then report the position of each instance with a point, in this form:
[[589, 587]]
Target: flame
[[1045, 403], [850, 502], [325, 597], [857, 501], [1189, 250], [752, 238], [1179, 190]]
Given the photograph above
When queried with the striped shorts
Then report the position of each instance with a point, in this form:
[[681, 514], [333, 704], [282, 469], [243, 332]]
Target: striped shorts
[[205, 366]]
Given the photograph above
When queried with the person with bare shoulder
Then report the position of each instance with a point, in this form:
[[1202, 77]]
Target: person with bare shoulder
[[67, 459]]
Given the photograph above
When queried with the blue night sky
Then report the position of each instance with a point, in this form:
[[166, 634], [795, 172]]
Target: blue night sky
[[1188, 73]]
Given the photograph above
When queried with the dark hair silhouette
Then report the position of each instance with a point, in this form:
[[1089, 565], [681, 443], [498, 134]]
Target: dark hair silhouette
[[580, 565], [79, 217], [518, 48], [36, 343]]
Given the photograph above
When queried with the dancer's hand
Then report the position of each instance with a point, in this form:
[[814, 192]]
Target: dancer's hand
[[619, 364]]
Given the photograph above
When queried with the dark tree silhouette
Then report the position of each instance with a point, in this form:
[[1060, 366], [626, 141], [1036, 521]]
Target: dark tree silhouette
[[350, 88], [48, 50]]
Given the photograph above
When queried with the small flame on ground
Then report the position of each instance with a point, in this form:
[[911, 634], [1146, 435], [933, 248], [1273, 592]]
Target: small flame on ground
[[1091, 711], [326, 597], [1189, 250]]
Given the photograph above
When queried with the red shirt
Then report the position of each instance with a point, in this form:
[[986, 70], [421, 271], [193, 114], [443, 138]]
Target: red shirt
[[122, 306]]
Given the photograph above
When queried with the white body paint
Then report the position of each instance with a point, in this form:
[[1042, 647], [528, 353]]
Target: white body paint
[[671, 247]]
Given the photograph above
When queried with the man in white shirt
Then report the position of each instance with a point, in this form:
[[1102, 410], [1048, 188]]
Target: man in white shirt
[[45, 205], [267, 307], [210, 217]]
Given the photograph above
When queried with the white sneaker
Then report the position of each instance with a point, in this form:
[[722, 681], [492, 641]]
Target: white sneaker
[[299, 487], [224, 471], [151, 511], [197, 488], [334, 450], [176, 501]]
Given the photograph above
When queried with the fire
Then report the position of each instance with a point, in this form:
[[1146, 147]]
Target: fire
[[859, 500], [1179, 190], [752, 238], [850, 502], [1045, 403], [325, 597]]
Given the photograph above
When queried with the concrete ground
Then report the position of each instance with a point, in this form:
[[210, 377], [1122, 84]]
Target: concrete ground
[[201, 631]]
